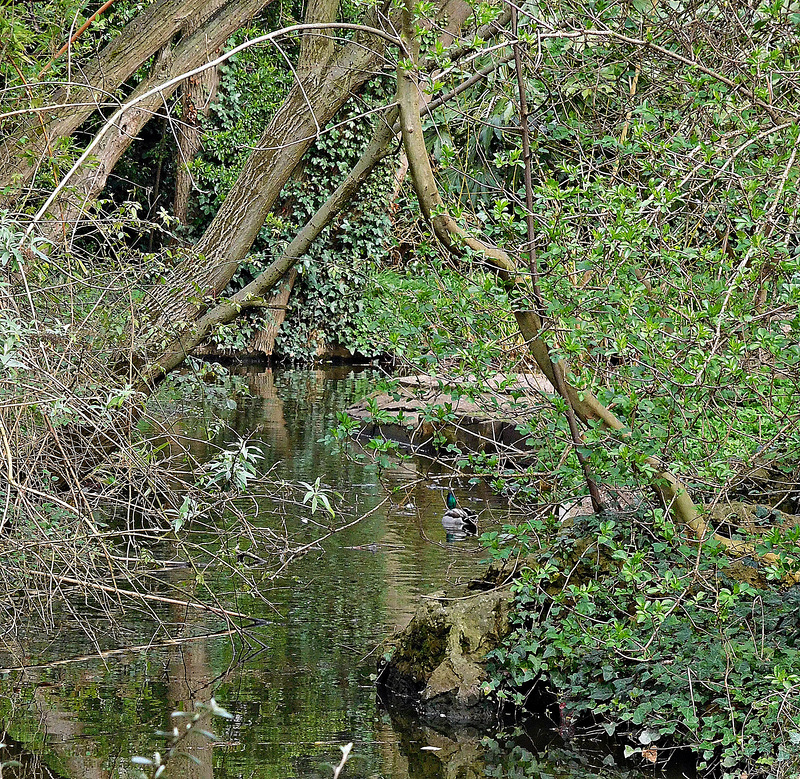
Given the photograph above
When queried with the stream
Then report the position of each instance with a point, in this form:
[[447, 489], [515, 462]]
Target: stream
[[301, 686]]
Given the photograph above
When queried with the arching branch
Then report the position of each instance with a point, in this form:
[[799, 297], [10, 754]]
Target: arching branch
[[588, 408]]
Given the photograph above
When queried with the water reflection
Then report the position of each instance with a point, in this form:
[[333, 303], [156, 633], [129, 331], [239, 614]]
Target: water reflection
[[298, 685]]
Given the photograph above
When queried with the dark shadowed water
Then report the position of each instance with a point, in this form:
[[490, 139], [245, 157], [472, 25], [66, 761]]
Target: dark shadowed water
[[300, 686]]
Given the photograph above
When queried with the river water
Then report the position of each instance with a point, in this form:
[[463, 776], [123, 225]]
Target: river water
[[300, 685]]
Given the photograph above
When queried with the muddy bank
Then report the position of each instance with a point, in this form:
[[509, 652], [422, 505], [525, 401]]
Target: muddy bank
[[426, 413]]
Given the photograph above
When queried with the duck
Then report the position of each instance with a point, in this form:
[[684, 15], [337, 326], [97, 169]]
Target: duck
[[458, 520]]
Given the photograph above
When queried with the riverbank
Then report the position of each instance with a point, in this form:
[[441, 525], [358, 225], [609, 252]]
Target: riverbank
[[618, 625]]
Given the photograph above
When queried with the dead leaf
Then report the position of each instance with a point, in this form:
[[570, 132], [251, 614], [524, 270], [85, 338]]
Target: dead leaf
[[650, 753]]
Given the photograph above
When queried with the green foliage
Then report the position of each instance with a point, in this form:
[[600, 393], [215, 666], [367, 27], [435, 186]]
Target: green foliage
[[331, 289], [510, 753], [233, 468], [32, 33], [668, 251], [10, 248], [658, 642], [319, 496], [431, 312], [252, 84], [11, 333]]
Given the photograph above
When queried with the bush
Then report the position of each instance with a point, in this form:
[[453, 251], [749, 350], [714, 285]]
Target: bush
[[661, 643]]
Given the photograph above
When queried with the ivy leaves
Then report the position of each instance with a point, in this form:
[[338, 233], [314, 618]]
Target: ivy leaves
[[653, 639]]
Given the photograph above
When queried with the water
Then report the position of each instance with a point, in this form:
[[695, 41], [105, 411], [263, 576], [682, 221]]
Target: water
[[297, 687]]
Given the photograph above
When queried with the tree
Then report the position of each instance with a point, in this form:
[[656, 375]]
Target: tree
[[201, 41], [625, 190], [98, 417], [34, 138], [327, 76]]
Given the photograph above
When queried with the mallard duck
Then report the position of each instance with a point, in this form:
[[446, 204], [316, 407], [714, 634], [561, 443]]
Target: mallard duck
[[458, 520]]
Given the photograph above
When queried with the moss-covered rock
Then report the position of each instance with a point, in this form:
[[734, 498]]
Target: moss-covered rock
[[437, 662]]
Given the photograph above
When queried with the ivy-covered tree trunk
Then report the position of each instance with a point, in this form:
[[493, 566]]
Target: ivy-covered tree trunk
[[315, 50], [311, 104], [28, 145], [323, 88], [174, 354]]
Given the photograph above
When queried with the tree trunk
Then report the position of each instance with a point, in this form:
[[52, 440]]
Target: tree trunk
[[310, 105], [317, 48], [192, 51], [379, 146], [198, 92], [195, 102], [22, 151], [457, 14], [264, 340]]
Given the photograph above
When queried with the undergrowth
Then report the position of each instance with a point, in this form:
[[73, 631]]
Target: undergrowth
[[647, 637]]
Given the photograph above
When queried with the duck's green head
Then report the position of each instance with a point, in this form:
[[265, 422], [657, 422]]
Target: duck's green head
[[451, 500]]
